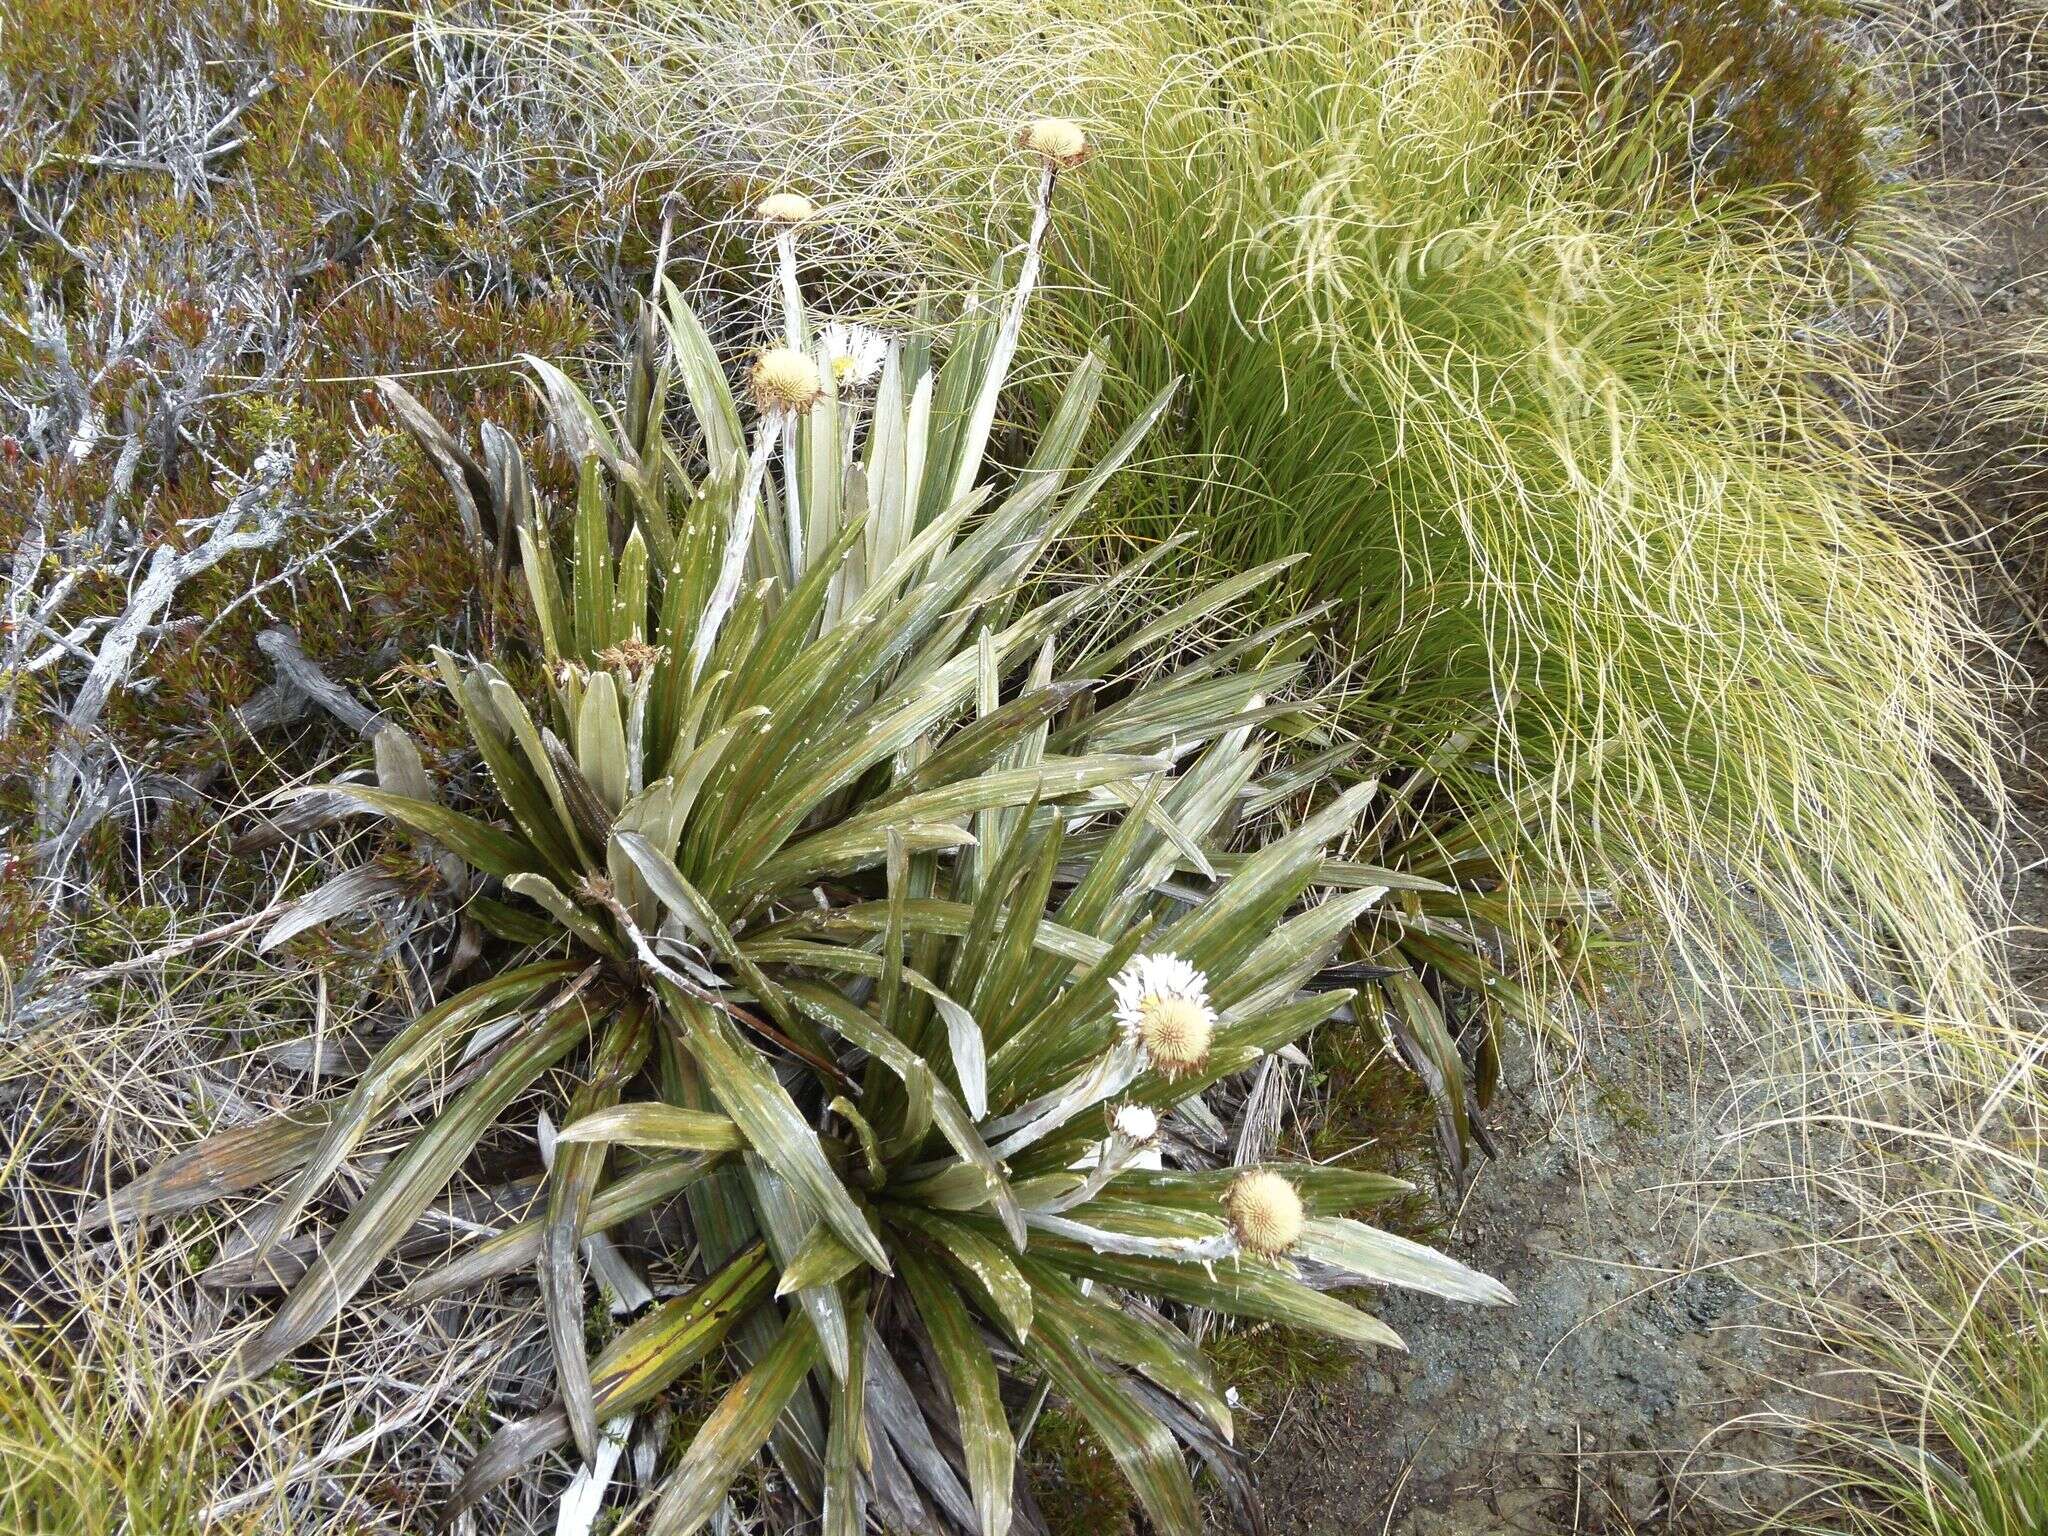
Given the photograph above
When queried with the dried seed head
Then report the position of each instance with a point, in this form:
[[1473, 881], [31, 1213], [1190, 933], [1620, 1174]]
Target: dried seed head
[[1135, 1122], [1265, 1212], [1058, 140], [784, 208], [785, 380], [632, 657], [1163, 1005]]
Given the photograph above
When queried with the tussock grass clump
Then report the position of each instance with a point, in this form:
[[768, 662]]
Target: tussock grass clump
[[1570, 452], [96, 1442], [1927, 1404]]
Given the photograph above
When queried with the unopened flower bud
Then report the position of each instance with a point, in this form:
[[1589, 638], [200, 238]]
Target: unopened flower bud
[[784, 208]]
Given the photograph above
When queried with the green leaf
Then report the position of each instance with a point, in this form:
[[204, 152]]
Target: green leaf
[[846, 1440], [406, 1186], [703, 376], [601, 741], [991, 1268], [1242, 1288], [836, 1013], [679, 1333], [642, 1361], [738, 1427], [481, 846], [774, 1128], [1145, 1452], [820, 1259], [863, 838], [656, 1125], [786, 1228], [570, 1184], [990, 1449], [519, 1245], [539, 888], [1361, 1250], [1146, 1343], [409, 1055]]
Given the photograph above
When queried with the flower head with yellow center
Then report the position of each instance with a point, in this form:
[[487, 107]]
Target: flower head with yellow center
[[785, 382], [1059, 141], [1264, 1211], [854, 353], [1162, 1003]]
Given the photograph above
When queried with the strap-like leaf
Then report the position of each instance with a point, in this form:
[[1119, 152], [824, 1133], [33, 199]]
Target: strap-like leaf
[[1242, 1288], [638, 1364], [774, 1128], [785, 1226], [517, 1246], [414, 1051], [820, 1259], [1145, 1451], [836, 1013], [650, 1124], [571, 1182], [846, 1440], [991, 1450], [1149, 1344], [1389, 1259], [406, 1187], [992, 1268], [483, 847], [224, 1164], [737, 1429]]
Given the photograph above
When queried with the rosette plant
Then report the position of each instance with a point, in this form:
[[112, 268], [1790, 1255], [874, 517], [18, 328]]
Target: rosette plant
[[884, 914]]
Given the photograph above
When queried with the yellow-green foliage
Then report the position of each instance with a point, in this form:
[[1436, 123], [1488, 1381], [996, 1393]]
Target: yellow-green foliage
[[93, 1444], [1568, 450]]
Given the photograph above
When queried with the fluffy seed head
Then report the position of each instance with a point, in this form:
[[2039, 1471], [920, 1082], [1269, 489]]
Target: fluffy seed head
[[1163, 1005], [1135, 1122], [784, 208], [785, 380], [1059, 140], [1264, 1211]]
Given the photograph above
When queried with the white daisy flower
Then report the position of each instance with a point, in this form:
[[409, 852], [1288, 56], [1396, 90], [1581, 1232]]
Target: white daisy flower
[[854, 353], [1162, 1003], [1136, 1122]]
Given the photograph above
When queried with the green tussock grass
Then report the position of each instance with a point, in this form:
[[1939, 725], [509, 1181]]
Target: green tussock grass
[[1952, 1362], [1562, 433], [93, 1442]]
